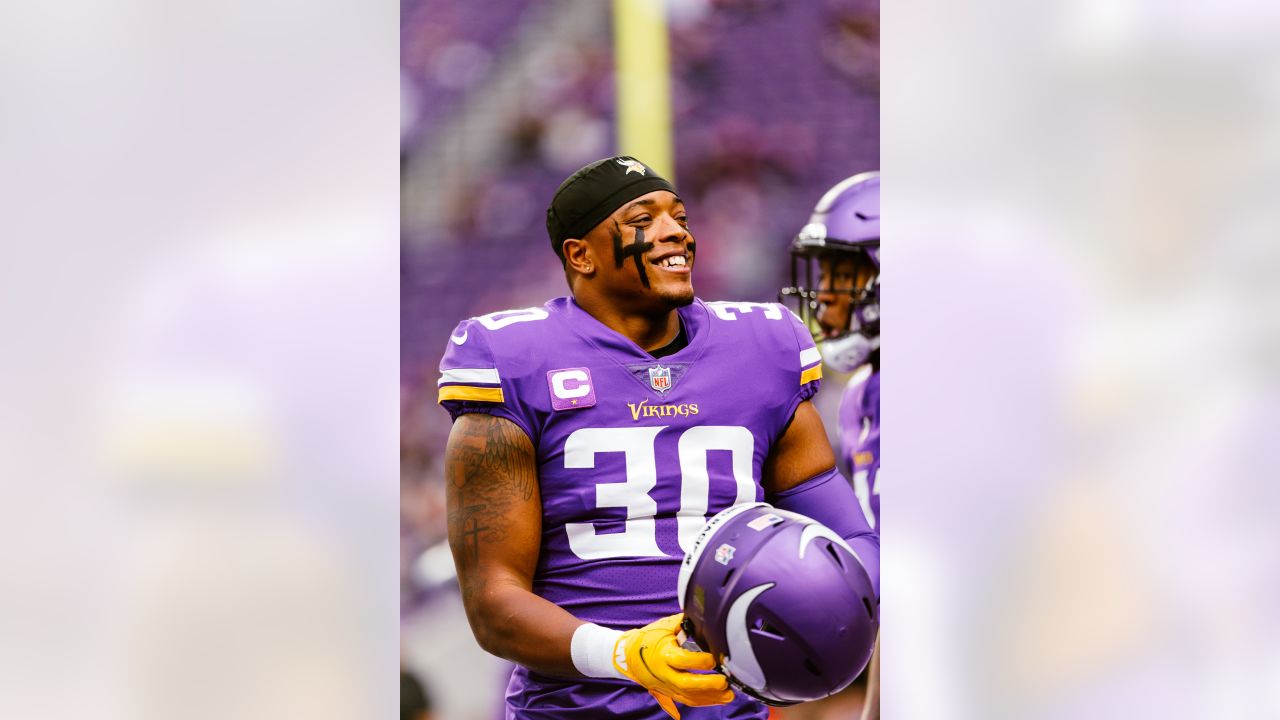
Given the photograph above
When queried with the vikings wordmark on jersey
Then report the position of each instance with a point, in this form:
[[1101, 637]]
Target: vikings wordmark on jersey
[[634, 454]]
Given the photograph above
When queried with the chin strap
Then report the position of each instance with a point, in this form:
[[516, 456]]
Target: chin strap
[[846, 353]]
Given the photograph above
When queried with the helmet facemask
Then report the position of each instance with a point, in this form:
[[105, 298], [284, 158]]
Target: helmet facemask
[[835, 291]]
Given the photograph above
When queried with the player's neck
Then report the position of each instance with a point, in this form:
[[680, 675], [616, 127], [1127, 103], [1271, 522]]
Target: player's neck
[[649, 331]]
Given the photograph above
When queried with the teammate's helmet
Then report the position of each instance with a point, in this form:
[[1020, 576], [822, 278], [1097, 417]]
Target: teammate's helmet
[[845, 223], [781, 601]]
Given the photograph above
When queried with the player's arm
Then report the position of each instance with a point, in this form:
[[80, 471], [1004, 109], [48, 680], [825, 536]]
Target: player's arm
[[495, 526], [800, 475]]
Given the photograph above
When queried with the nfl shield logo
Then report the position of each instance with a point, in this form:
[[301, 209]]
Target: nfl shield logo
[[660, 378], [724, 553]]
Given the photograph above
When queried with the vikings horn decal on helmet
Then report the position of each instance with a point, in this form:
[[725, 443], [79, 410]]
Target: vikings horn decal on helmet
[[790, 614], [845, 225]]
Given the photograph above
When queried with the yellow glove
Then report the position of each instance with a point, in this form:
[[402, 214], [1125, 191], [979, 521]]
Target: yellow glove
[[652, 657]]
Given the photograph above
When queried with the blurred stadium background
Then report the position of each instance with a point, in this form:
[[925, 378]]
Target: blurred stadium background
[[770, 103]]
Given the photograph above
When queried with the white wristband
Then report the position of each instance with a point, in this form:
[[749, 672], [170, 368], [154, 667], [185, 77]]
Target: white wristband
[[592, 651]]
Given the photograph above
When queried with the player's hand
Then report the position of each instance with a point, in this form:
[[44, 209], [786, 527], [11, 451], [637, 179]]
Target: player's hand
[[652, 657]]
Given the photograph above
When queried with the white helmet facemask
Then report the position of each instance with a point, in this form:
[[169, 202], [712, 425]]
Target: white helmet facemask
[[847, 352]]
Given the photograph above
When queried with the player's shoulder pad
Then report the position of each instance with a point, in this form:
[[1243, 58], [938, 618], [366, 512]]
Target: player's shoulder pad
[[485, 353], [777, 327]]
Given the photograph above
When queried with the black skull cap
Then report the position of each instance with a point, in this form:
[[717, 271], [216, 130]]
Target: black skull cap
[[592, 193]]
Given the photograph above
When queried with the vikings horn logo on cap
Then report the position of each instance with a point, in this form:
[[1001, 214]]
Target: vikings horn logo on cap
[[632, 165]]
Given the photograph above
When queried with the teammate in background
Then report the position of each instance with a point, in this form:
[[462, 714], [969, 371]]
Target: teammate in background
[[593, 436], [835, 280]]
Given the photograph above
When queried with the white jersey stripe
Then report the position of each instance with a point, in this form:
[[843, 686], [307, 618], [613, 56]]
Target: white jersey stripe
[[810, 356], [470, 375]]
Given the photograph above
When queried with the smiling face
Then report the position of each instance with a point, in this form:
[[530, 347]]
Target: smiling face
[[642, 255]]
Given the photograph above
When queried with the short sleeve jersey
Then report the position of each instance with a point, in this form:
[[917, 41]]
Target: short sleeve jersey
[[634, 453]]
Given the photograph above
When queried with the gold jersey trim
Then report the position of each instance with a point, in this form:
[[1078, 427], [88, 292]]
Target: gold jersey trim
[[463, 392], [813, 373]]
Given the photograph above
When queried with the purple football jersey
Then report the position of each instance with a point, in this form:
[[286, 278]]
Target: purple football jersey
[[634, 455], [859, 428]]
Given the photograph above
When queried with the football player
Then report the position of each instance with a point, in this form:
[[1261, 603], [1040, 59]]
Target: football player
[[835, 282], [594, 435], [835, 279]]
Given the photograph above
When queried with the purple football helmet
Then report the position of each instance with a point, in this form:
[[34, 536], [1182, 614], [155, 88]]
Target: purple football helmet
[[781, 601], [844, 224]]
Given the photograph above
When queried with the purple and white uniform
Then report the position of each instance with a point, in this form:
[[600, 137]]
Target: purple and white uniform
[[634, 455], [859, 427]]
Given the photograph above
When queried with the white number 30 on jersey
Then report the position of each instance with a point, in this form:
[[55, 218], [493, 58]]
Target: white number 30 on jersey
[[639, 537]]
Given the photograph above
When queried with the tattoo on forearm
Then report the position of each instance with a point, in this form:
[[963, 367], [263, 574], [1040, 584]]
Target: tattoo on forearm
[[488, 469]]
